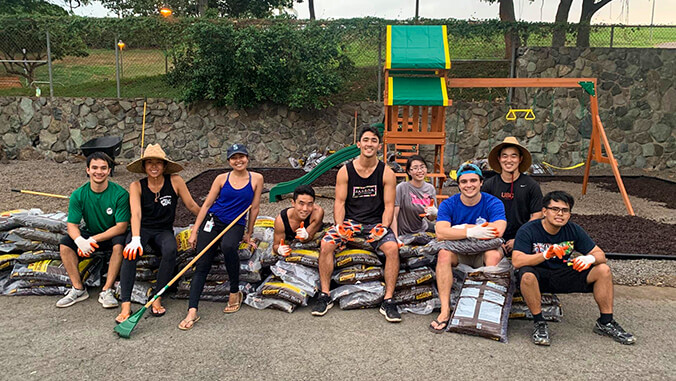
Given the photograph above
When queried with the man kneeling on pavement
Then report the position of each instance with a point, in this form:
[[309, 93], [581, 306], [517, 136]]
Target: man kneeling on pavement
[[543, 258], [104, 207]]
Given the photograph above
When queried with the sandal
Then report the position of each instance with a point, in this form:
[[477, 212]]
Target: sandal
[[234, 307], [157, 314], [122, 317], [441, 326], [185, 326]]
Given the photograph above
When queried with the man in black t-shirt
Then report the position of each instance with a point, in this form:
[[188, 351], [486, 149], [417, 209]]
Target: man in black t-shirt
[[365, 192], [543, 257], [520, 194]]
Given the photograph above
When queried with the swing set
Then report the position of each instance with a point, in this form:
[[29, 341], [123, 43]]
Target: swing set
[[599, 141]]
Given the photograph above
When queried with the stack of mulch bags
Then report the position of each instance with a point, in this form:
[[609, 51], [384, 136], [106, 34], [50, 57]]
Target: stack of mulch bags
[[293, 279], [146, 277], [415, 291], [551, 307], [30, 263]]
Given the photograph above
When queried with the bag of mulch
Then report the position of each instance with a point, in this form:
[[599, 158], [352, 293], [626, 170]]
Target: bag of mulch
[[264, 229], [9, 248], [261, 302], [313, 243], [419, 308], [36, 256], [265, 254], [414, 277], [417, 239], [26, 245], [303, 257], [216, 288], [12, 289], [182, 238], [359, 273], [360, 295], [184, 257], [8, 223], [145, 274], [467, 246], [359, 243], [550, 312], [246, 250], [414, 294], [52, 222], [274, 287], [546, 299], [7, 260], [53, 271], [419, 261], [303, 277], [353, 257], [149, 261], [33, 234], [485, 302], [141, 293]]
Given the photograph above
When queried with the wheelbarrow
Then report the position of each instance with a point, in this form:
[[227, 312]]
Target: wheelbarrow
[[110, 145]]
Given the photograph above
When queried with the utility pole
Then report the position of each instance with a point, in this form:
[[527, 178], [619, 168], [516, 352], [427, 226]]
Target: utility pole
[[417, 7]]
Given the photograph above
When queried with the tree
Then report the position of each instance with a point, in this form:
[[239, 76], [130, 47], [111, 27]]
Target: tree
[[589, 7], [311, 5], [225, 8], [561, 20], [506, 12], [26, 7]]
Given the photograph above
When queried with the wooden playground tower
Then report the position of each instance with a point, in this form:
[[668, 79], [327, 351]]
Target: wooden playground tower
[[410, 86]]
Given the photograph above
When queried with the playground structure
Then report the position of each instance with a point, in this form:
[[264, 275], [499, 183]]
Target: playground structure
[[416, 72]]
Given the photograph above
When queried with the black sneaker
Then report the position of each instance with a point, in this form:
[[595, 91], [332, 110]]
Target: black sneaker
[[323, 305], [390, 311], [541, 333], [614, 330]]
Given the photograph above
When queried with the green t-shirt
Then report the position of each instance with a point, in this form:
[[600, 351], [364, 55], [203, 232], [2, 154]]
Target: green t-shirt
[[100, 211]]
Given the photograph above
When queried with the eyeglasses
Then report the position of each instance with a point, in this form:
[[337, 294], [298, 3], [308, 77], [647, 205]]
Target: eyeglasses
[[420, 168], [558, 210]]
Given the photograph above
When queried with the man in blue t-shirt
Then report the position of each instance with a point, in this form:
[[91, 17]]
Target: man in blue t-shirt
[[469, 214], [543, 258]]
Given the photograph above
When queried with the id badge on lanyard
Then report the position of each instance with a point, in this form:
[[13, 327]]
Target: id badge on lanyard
[[209, 225]]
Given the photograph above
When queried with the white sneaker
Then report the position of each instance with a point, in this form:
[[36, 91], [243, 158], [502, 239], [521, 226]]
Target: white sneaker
[[72, 296], [107, 299]]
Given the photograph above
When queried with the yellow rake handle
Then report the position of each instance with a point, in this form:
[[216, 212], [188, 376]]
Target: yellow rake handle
[[40, 193]]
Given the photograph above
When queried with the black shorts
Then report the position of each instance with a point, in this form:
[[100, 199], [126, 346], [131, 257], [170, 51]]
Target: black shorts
[[563, 280], [104, 246]]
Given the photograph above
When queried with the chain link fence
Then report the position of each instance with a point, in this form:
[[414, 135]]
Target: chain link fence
[[476, 51]]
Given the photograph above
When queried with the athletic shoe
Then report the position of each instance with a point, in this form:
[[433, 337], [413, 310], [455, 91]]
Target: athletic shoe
[[541, 333], [323, 305], [390, 311], [107, 299], [614, 330], [72, 296]]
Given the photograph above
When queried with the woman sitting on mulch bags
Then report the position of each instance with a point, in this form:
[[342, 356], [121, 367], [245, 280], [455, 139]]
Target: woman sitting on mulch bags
[[153, 201], [230, 195], [415, 201]]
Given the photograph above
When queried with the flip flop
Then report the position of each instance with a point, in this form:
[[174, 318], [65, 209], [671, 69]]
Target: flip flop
[[185, 327], [232, 308], [157, 314], [441, 326], [122, 321]]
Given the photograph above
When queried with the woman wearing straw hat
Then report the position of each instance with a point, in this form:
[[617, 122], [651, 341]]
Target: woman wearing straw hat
[[230, 194], [153, 202], [520, 194]]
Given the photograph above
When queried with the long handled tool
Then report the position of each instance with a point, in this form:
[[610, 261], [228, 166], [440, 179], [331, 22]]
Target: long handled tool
[[124, 329], [40, 193]]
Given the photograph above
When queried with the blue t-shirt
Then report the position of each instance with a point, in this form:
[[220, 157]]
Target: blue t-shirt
[[532, 238], [489, 208]]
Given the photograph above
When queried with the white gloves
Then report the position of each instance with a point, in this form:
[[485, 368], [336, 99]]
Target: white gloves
[[583, 262], [302, 234], [283, 250], [85, 246], [132, 248], [431, 211], [482, 231]]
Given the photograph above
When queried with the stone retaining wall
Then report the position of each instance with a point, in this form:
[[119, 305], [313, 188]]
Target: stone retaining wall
[[636, 95]]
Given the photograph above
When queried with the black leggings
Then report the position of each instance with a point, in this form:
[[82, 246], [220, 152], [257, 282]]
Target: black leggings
[[163, 240], [229, 245]]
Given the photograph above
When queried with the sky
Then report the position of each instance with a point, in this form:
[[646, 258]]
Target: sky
[[631, 12]]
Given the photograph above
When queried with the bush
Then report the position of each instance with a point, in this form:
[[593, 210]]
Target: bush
[[282, 63]]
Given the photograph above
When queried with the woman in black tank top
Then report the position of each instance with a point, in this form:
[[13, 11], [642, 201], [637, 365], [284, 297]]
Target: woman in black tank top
[[153, 202]]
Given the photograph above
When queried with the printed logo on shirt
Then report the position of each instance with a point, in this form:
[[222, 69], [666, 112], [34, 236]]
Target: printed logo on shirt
[[424, 201], [522, 185], [165, 200], [539, 248], [109, 211], [367, 191]]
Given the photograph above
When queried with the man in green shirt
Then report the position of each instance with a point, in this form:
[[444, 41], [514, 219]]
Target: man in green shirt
[[104, 207]]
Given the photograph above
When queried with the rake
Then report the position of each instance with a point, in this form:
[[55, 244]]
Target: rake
[[124, 329]]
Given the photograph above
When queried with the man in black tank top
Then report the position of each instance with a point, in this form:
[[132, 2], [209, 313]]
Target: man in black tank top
[[301, 221], [365, 192]]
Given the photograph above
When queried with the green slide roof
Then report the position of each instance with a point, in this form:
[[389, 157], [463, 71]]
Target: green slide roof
[[417, 47], [417, 91]]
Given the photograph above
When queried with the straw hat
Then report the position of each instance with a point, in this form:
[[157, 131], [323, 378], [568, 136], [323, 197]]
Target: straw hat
[[154, 151], [509, 141]]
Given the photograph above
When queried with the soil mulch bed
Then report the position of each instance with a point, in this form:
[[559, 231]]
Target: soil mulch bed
[[613, 234], [628, 234]]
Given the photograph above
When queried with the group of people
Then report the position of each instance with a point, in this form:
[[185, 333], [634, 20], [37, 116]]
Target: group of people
[[549, 253]]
